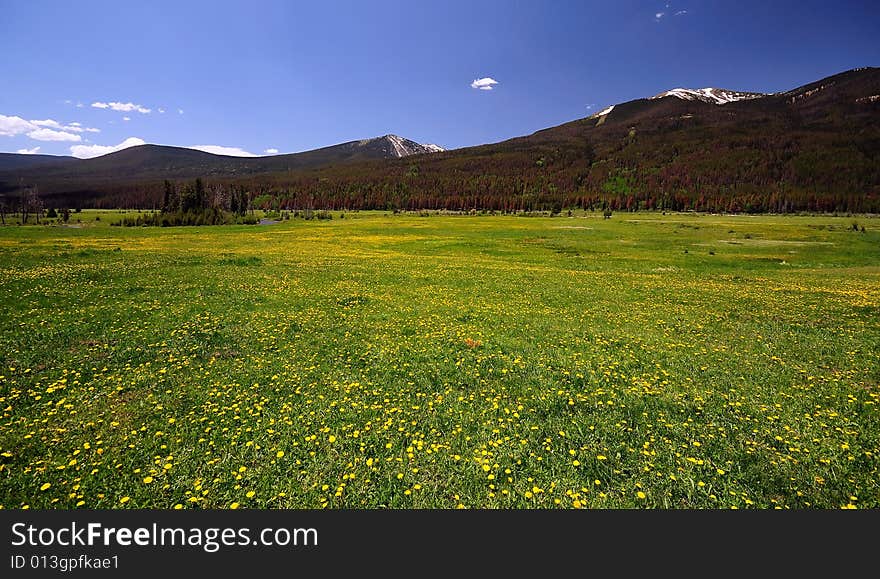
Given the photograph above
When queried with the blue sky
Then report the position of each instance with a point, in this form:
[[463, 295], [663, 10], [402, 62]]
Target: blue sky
[[88, 77]]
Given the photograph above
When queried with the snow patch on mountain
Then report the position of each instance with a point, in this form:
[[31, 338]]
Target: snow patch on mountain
[[400, 149], [602, 113], [718, 96]]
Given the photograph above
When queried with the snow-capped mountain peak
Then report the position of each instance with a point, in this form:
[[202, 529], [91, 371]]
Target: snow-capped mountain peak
[[718, 96], [401, 147]]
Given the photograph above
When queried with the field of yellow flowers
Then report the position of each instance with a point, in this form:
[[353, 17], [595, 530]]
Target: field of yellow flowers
[[647, 360]]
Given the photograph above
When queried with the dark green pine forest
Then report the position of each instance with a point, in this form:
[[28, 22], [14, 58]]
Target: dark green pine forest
[[815, 148]]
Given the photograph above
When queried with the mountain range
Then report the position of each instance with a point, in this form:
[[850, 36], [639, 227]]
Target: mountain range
[[814, 147], [162, 161]]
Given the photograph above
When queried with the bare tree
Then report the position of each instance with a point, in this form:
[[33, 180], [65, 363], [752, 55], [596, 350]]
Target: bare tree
[[36, 203], [31, 202], [219, 197]]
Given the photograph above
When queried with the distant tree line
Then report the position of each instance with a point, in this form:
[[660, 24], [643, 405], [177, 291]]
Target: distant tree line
[[28, 207]]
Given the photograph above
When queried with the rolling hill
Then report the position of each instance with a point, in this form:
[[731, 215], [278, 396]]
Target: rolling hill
[[63, 176], [17, 161]]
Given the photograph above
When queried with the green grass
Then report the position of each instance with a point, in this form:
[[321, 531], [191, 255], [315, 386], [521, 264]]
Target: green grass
[[648, 360]]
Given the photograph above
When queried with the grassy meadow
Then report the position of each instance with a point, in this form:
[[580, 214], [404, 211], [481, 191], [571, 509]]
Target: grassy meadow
[[647, 360]]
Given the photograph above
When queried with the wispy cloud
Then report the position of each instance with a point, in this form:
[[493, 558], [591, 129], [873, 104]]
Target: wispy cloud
[[220, 150], [53, 124], [90, 151], [53, 135], [161, 110], [121, 107], [126, 118], [33, 151], [485, 83], [667, 10], [272, 151], [180, 111]]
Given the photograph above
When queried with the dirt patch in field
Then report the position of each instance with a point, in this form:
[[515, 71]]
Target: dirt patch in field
[[770, 242]]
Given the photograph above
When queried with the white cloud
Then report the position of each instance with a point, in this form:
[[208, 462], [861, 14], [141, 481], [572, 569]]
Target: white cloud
[[272, 151], [659, 15], [681, 12], [161, 110], [79, 105], [75, 124], [33, 151], [126, 118], [89, 151], [53, 135], [11, 126], [220, 150], [92, 130], [485, 83], [180, 111], [122, 107]]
